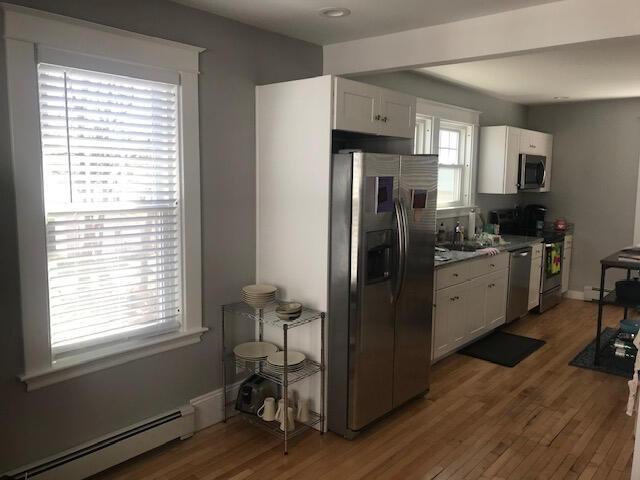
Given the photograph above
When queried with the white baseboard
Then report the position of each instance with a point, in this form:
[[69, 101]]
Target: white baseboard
[[209, 408], [575, 295]]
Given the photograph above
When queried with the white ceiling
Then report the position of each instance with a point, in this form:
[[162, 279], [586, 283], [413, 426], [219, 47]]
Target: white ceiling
[[598, 70], [300, 18]]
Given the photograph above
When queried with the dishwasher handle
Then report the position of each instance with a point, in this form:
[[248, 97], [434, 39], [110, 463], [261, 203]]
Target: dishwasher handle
[[521, 254]]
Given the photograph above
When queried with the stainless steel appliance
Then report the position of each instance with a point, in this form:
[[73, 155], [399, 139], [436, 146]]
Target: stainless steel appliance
[[550, 288], [532, 172], [383, 226], [519, 274]]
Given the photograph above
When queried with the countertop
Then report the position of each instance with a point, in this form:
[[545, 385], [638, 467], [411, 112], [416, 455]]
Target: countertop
[[514, 242]]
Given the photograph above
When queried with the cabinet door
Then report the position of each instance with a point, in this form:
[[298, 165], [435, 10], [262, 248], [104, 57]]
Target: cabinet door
[[566, 270], [496, 298], [398, 114], [534, 282], [449, 321], [548, 151], [532, 142], [476, 299], [356, 106], [512, 160]]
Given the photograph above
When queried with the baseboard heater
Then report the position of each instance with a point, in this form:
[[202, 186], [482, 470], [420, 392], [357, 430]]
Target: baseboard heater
[[112, 449]]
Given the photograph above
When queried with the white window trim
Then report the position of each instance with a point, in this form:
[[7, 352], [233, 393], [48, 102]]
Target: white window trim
[[25, 30], [454, 114]]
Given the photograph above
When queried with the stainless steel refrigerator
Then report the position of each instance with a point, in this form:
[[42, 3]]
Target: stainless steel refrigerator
[[383, 223]]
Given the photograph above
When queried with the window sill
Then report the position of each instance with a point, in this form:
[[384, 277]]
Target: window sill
[[452, 212], [82, 364]]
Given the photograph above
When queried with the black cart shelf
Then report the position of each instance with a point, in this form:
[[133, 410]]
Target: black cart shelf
[[612, 261]]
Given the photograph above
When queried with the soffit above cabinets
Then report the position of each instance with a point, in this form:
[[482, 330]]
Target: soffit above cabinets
[[301, 19], [587, 71]]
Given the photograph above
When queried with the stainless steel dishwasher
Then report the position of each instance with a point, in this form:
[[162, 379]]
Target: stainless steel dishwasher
[[519, 273]]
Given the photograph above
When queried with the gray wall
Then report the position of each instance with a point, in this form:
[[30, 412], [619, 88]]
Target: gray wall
[[494, 111], [596, 147], [238, 57]]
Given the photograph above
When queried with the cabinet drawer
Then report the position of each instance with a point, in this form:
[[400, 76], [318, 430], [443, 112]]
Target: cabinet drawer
[[486, 265], [452, 275], [537, 250]]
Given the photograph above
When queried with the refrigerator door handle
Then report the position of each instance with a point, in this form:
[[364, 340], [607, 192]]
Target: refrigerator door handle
[[402, 247]]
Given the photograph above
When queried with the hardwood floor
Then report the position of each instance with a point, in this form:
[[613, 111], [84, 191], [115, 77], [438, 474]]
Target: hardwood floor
[[542, 419]]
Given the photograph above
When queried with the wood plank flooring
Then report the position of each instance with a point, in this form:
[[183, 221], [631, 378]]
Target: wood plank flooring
[[542, 419]]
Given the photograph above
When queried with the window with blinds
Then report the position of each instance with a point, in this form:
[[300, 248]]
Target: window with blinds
[[111, 179]]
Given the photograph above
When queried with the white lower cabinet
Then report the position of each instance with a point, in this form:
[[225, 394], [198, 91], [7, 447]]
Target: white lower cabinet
[[535, 276], [470, 308], [495, 305], [566, 262]]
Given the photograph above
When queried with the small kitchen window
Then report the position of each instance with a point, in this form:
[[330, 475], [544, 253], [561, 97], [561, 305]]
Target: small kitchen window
[[450, 132]]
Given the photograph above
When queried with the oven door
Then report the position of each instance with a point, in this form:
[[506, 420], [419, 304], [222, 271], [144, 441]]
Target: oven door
[[532, 172], [552, 268]]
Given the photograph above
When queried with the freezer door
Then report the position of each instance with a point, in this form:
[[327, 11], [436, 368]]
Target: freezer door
[[373, 281], [417, 203]]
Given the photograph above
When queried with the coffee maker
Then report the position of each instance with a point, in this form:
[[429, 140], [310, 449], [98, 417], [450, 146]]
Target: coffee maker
[[532, 220]]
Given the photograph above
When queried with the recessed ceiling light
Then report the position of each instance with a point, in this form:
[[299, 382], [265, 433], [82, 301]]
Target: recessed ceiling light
[[335, 12], [561, 98]]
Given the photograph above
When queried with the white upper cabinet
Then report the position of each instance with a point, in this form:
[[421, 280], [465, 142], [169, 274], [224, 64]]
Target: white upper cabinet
[[356, 106], [500, 149], [498, 162], [398, 114], [359, 107]]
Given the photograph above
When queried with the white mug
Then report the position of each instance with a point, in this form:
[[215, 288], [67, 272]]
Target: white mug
[[267, 411], [278, 416], [303, 410], [291, 425]]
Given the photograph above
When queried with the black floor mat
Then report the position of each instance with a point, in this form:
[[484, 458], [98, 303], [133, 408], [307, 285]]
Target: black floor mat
[[608, 363], [503, 348]]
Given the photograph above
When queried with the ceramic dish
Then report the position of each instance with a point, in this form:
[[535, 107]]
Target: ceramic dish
[[254, 350], [293, 358]]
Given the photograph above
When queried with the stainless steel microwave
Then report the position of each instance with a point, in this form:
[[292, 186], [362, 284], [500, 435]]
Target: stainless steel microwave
[[532, 173]]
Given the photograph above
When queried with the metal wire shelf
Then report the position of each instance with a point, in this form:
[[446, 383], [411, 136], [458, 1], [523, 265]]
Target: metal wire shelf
[[269, 316], [274, 427], [262, 368]]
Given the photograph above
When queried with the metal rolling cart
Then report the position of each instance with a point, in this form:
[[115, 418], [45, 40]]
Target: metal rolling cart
[[612, 261], [260, 318]]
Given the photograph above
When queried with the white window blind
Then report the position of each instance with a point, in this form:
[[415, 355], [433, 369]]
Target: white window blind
[[111, 188]]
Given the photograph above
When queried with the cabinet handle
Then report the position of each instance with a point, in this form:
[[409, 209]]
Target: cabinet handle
[[532, 146], [377, 117], [384, 119], [491, 285], [455, 274], [492, 265]]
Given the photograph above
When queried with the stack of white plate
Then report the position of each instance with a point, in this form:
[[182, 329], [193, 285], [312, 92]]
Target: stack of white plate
[[295, 361], [254, 351], [259, 296], [289, 311]]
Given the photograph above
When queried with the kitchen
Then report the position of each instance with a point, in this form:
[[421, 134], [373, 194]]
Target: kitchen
[[432, 222]]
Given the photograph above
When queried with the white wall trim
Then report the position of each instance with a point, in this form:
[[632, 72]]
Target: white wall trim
[[575, 295], [446, 111], [25, 30], [209, 408], [541, 26], [66, 33], [76, 366]]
